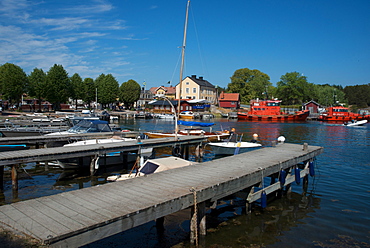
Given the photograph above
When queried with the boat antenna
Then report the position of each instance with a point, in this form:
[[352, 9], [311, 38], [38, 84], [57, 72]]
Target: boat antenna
[[182, 59]]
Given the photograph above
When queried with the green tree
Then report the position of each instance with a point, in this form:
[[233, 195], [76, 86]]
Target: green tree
[[90, 91], [76, 90], [107, 88], [129, 93], [358, 95], [250, 84], [293, 88], [329, 95], [13, 82], [37, 85], [58, 84]]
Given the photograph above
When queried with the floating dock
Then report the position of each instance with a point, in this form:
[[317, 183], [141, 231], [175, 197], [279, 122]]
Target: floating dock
[[79, 217]]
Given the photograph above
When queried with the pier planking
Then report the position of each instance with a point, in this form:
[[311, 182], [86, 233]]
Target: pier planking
[[91, 214]]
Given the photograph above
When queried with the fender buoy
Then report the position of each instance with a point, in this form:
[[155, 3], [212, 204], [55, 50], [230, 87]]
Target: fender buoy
[[282, 177], [96, 163], [176, 151], [297, 175], [263, 199], [311, 168]]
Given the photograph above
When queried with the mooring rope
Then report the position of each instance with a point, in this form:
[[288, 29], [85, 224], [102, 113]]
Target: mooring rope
[[195, 215]]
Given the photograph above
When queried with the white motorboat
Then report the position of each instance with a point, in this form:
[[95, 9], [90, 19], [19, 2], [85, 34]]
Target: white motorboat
[[355, 123], [153, 166], [231, 147], [112, 158]]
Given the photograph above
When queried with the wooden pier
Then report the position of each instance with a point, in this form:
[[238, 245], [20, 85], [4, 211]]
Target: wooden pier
[[79, 217]]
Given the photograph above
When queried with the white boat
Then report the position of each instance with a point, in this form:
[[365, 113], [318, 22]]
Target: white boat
[[86, 126], [112, 158], [165, 116], [152, 166], [355, 123], [187, 115], [229, 148]]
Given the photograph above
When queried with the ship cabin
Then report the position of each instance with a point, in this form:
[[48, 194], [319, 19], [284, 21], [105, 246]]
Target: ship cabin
[[265, 107]]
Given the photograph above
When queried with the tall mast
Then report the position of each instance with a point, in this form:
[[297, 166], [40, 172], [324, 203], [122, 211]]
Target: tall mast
[[183, 57]]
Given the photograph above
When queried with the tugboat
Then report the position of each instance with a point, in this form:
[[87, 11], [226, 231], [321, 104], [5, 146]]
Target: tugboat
[[341, 114], [269, 110]]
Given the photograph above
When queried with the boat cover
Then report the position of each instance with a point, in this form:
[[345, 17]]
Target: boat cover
[[195, 123]]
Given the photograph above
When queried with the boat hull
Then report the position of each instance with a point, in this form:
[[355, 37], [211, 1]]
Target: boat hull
[[228, 148], [210, 136], [299, 116]]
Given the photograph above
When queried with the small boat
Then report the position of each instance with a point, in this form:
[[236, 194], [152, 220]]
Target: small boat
[[86, 126], [231, 147], [210, 135], [355, 123], [187, 115], [269, 110], [341, 114], [165, 116], [14, 130], [112, 158], [152, 166]]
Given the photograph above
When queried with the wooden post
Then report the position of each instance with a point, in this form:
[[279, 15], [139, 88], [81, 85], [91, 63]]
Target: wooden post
[[46, 165], [15, 176], [248, 206], [305, 183], [159, 223], [202, 218], [1, 178]]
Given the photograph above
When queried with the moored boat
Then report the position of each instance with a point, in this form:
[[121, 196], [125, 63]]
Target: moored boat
[[233, 146], [269, 110], [341, 114], [152, 166], [187, 115], [112, 158], [210, 135]]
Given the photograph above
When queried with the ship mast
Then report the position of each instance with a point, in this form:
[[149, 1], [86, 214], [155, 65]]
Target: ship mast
[[182, 60]]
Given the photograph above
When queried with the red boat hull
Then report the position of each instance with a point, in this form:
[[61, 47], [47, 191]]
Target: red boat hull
[[299, 116], [341, 114]]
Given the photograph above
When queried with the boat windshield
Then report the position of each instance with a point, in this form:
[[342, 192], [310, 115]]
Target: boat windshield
[[273, 104], [340, 110], [90, 127]]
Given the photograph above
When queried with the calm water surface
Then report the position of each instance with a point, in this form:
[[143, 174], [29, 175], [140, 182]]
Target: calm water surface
[[334, 212]]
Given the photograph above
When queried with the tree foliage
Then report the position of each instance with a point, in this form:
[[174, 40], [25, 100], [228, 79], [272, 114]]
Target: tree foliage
[[107, 87], [90, 91], [358, 95], [250, 84], [293, 88], [129, 93], [37, 85], [58, 85], [13, 82], [77, 88]]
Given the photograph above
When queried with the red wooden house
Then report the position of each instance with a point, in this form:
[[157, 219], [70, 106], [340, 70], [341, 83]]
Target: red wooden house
[[229, 100]]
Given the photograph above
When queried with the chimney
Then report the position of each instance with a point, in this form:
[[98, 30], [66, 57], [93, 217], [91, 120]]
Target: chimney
[[194, 76], [200, 78]]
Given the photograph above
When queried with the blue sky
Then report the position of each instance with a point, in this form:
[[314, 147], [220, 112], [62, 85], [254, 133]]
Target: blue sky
[[327, 41]]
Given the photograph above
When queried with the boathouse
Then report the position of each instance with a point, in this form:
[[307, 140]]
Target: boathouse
[[229, 100]]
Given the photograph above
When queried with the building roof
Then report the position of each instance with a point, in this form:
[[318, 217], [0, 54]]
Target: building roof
[[200, 81], [229, 96], [312, 101], [169, 90]]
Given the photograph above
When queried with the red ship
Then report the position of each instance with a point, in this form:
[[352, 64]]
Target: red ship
[[269, 110], [341, 114]]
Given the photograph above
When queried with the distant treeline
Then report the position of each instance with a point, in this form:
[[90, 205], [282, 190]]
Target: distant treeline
[[294, 89], [57, 87]]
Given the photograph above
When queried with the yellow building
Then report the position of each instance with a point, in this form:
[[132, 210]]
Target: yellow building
[[196, 88], [161, 91]]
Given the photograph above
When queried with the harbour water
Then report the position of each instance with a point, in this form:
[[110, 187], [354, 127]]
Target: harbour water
[[333, 212]]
